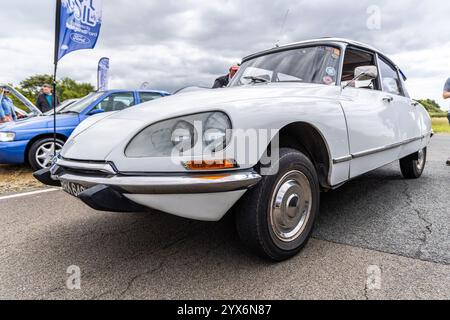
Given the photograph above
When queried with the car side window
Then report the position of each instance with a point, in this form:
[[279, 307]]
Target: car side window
[[353, 59], [390, 78], [404, 89], [116, 102], [149, 96]]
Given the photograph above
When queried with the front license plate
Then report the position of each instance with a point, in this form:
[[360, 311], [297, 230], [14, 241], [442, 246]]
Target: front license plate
[[73, 189]]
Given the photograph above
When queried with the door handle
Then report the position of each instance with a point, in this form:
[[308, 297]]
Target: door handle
[[388, 99], [414, 103]]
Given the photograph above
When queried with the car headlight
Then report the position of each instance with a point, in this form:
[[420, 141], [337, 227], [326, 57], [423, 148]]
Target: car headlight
[[211, 129], [184, 136], [7, 136]]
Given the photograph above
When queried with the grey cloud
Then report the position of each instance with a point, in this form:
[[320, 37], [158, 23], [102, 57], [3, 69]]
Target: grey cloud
[[174, 43]]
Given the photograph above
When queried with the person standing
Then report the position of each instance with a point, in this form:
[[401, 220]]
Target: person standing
[[45, 99], [446, 95], [7, 109], [223, 81]]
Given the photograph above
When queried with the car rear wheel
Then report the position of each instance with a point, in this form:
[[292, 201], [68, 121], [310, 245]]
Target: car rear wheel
[[413, 165], [275, 219], [42, 152]]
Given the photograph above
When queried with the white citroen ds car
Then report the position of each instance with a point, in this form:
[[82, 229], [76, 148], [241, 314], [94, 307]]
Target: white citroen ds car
[[331, 109]]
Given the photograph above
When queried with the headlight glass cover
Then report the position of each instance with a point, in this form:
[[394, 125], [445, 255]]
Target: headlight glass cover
[[7, 136], [208, 132]]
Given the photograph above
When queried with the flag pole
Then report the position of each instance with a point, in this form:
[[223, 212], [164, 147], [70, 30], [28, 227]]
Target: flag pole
[[55, 62], [54, 109]]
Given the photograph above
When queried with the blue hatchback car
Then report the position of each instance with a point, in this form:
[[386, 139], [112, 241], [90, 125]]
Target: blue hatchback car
[[31, 140]]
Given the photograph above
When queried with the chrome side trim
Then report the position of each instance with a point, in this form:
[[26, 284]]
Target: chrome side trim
[[85, 165], [342, 159], [377, 150], [185, 184], [385, 148]]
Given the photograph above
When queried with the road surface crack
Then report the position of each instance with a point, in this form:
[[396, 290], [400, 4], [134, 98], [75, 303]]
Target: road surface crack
[[136, 277], [428, 230], [158, 267], [366, 292], [163, 260]]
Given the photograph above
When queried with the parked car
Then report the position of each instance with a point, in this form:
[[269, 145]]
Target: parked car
[[338, 109], [31, 140]]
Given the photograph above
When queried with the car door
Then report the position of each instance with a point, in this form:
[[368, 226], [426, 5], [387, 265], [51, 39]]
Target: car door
[[403, 107], [371, 118]]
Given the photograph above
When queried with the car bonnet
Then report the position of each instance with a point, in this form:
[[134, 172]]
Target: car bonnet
[[99, 140]]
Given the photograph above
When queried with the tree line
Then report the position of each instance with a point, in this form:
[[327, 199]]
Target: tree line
[[66, 88], [433, 108]]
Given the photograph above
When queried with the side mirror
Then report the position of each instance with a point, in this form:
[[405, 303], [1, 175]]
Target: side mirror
[[96, 111], [363, 73], [366, 73]]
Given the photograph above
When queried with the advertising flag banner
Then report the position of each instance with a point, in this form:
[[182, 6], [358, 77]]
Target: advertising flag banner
[[79, 23], [103, 74]]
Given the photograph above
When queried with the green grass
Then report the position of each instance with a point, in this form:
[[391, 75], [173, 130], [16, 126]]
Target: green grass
[[440, 125]]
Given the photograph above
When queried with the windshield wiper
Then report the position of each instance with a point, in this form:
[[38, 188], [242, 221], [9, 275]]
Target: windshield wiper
[[66, 112], [255, 79]]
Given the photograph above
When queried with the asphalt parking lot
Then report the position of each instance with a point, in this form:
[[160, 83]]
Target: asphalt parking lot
[[402, 228]]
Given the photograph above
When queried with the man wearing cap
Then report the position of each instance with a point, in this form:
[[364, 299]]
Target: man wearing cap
[[7, 109], [446, 95], [222, 82], [45, 99]]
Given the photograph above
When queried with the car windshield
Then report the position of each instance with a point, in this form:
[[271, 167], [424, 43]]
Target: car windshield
[[317, 64], [63, 105], [79, 106]]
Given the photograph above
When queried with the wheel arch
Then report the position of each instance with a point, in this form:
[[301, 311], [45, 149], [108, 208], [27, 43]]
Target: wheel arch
[[308, 139]]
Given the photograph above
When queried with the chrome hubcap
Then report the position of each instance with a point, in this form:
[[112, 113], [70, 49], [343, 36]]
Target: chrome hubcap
[[420, 159], [45, 154], [290, 206]]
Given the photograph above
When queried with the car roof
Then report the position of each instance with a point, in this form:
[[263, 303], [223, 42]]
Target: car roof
[[337, 41], [324, 41]]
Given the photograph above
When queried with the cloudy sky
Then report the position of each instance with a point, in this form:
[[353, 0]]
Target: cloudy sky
[[175, 43]]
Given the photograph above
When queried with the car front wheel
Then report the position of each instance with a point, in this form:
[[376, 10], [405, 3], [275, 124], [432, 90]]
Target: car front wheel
[[275, 219], [42, 152], [413, 165]]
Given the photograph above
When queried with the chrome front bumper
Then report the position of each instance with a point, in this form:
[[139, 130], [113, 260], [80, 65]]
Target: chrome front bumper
[[90, 174], [206, 196]]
